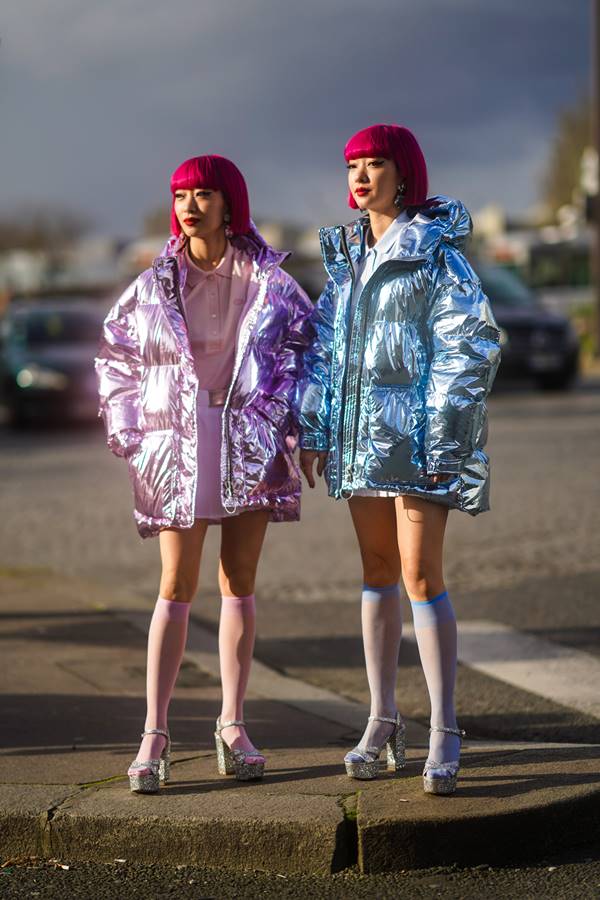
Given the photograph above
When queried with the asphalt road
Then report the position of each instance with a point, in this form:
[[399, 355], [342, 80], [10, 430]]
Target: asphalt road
[[531, 563], [567, 877]]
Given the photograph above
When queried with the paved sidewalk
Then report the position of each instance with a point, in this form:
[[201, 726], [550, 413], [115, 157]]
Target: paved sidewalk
[[72, 686]]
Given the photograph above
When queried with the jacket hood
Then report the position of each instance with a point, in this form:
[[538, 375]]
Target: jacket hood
[[439, 220]]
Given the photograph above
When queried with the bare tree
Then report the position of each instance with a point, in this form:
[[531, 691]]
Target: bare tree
[[561, 179], [41, 229]]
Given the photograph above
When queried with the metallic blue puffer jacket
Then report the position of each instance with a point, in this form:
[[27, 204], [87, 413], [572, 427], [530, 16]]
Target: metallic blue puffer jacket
[[396, 389]]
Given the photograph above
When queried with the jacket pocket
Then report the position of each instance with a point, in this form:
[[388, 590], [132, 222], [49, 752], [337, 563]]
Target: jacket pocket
[[396, 426], [152, 470], [269, 466]]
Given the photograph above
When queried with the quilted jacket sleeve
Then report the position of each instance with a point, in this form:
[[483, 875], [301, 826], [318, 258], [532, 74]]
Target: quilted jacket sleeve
[[290, 356], [315, 386], [118, 372], [465, 348]]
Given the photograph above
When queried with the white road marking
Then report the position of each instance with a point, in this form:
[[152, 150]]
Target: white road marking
[[562, 674]]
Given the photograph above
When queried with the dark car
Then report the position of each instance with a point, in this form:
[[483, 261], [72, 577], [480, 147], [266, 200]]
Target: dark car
[[47, 350], [536, 343]]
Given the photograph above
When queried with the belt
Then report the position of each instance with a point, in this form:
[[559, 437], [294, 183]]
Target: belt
[[217, 398], [212, 398]]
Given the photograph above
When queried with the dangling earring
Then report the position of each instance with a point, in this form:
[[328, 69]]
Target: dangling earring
[[227, 218], [400, 194]]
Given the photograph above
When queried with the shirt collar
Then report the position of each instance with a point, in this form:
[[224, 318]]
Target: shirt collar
[[390, 235], [224, 269]]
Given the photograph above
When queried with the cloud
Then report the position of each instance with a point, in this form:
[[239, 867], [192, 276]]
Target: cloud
[[102, 101]]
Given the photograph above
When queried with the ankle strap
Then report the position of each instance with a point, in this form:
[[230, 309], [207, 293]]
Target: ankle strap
[[156, 731], [384, 719], [457, 731], [221, 725]]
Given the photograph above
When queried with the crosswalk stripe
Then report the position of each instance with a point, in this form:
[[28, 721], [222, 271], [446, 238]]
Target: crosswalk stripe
[[558, 673]]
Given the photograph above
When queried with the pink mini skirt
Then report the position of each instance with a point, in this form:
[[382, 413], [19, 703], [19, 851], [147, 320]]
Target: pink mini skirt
[[208, 490]]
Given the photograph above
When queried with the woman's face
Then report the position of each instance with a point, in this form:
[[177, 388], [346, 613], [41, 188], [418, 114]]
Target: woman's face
[[374, 182], [200, 211]]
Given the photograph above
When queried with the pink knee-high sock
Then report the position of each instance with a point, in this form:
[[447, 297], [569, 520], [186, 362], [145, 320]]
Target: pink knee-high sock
[[237, 628], [166, 643]]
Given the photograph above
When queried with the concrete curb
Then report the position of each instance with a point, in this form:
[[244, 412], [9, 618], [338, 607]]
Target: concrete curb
[[72, 692], [539, 801], [550, 803]]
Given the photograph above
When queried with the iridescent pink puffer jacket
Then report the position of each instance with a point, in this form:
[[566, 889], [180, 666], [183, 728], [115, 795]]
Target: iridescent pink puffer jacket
[[147, 386]]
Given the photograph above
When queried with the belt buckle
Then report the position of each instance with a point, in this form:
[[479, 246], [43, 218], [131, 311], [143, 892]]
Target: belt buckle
[[217, 398]]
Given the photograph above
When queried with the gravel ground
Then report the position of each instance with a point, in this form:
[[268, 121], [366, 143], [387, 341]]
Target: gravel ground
[[576, 875]]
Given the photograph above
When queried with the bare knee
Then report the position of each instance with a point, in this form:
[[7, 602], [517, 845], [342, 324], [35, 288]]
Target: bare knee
[[379, 571], [237, 579], [178, 586], [422, 582]]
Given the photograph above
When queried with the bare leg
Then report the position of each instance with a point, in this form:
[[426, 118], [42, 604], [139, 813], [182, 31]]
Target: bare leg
[[241, 543], [374, 521]]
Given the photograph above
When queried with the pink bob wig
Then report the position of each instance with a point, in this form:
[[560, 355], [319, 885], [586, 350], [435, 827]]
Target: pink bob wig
[[218, 174], [396, 143]]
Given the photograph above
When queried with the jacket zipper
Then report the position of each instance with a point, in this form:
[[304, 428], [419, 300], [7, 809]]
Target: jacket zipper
[[179, 298], [351, 428], [230, 505], [346, 253]]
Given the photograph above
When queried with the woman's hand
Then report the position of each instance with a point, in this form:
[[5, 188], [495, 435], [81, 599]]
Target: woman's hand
[[441, 476], [307, 458]]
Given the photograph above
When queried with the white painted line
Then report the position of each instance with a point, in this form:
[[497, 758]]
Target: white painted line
[[562, 674]]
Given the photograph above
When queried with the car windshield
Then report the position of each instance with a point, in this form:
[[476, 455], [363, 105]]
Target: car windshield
[[504, 288], [42, 327]]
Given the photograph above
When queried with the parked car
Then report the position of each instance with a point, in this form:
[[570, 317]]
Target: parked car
[[47, 350], [536, 343]]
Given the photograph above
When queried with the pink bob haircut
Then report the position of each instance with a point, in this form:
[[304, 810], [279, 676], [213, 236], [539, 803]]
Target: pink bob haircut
[[396, 143], [218, 174]]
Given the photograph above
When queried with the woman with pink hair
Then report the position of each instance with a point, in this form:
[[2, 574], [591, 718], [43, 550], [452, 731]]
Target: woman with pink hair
[[197, 369], [394, 412]]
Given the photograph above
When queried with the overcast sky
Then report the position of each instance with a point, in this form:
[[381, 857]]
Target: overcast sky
[[101, 100]]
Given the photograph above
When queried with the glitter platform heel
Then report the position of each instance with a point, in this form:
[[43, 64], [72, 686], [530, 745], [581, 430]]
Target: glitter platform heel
[[363, 762], [440, 777], [145, 776], [246, 765]]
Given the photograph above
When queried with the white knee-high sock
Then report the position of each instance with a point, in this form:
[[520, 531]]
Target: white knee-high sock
[[381, 616], [435, 631]]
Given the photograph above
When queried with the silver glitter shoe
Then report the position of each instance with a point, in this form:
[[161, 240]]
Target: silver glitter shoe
[[235, 762], [363, 762], [440, 777], [150, 772]]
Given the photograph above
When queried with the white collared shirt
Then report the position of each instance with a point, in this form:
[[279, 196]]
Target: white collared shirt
[[387, 247]]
